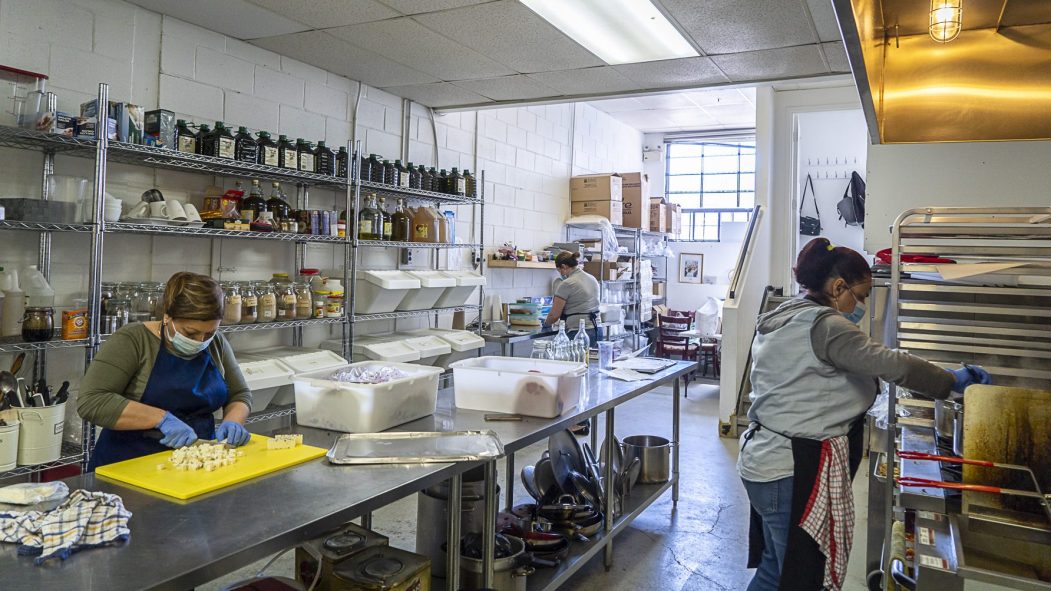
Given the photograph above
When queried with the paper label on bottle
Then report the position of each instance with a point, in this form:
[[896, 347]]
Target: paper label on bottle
[[420, 231], [226, 148], [291, 159], [306, 162], [386, 228], [251, 301], [933, 562], [403, 180], [461, 186], [925, 536], [364, 227], [247, 214], [188, 144], [270, 156]]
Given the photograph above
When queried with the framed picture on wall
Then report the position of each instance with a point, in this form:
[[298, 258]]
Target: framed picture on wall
[[691, 267]]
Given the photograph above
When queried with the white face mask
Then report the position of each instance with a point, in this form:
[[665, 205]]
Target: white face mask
[[186, 346]]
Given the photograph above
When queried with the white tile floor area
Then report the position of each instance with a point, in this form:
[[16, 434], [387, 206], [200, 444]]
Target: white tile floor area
[[699, 545]]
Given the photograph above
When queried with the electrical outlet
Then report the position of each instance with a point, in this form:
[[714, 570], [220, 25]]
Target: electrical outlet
[[406, 256]]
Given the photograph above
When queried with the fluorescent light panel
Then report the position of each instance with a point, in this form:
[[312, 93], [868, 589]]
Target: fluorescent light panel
[[617, 31]]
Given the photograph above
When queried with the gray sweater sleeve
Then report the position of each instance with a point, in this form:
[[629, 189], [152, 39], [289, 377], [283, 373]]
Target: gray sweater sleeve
[[838, 342], [231, 371]]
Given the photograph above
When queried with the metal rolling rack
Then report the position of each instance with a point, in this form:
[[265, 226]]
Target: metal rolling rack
[[1002, 323], [356, 246], [633, 308]]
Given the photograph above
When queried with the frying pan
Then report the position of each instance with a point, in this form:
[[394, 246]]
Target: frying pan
[[546, 484], [587, 489], [529, 481], [566, 458]]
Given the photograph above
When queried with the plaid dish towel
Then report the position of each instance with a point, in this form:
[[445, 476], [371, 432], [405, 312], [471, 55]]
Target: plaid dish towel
[[829, 514], [84, 520]]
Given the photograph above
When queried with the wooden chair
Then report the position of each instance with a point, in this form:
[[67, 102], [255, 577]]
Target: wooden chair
[[670, 344]]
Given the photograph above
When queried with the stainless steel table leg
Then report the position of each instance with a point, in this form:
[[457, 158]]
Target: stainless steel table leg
[[489, 528], [675, 442], [452, 556], [366, 520], [509, 482], [594, 433], [610, 492]]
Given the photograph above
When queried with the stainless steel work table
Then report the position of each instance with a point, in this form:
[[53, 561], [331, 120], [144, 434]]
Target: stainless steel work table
[[180, 544], [507, 340]]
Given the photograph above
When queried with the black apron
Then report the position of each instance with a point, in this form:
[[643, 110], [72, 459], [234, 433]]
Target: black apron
[[803, 568], [593, 317], [190, 389]]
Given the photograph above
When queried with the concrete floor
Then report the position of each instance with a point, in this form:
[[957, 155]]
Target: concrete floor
[[700, 545]]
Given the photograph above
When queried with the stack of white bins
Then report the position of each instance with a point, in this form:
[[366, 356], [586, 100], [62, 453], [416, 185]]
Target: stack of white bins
[[466, 283], [293, 360], [380, 292], [463, 343], [433, 285]]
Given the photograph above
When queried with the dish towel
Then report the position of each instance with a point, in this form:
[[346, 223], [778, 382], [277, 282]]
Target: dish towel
[[829, 514], [84, 520]]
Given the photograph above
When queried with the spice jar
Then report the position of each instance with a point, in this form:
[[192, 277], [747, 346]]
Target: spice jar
[[232, 303], [334, 306], [320, 302], [267, 302], [304, 300], [249, 304], [38, 324], [286, 297]]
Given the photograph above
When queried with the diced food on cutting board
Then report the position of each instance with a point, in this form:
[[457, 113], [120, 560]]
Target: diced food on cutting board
[[284, 441], [204, 456]]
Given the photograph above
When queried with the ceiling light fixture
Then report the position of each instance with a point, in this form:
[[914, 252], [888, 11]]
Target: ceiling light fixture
[[946, 20], [617, 31]]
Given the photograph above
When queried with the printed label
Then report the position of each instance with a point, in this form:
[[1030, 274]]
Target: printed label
[[251, 301], [247, 214], [226, 148], [934, 562], [365, 227], [420, 231], [926, 536], [461, 186], [306, 162], [386, 228], [403, 180], [188, 144], [270, 156], [290, 158], [930, 516]]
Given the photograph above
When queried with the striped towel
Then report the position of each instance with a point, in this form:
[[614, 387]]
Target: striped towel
[[829, 514], [84, 520]]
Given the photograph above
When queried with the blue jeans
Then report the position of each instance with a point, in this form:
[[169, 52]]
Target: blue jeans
[[773, 502]]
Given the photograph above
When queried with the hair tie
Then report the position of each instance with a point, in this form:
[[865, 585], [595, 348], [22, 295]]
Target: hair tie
[[830, 247]]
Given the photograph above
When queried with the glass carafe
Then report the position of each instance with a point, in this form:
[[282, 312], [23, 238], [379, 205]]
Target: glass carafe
[[387, 222]]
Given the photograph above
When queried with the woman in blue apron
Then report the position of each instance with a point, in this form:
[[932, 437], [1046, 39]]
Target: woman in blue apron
[[155, 385], [814, 376]]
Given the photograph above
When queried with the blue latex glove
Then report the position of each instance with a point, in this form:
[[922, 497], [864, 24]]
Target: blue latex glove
[[969, 375], [233, 433], [176, 433]]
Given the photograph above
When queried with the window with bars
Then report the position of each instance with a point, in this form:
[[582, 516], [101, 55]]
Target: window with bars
[[713, 181]]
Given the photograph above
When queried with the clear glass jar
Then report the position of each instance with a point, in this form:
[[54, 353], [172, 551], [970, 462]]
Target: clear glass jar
[[286, 297], [108, 292], [320, 301], [334, 306], [249, 304], [267, 302], [146, 302], [304, 300], [232, 303]]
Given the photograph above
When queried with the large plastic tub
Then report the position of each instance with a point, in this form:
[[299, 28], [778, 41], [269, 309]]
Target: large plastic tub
[[265, 378], [466, 282], [366, 408], [432, 286], [464, 344], [383, 348], [429, 346], [296, 360], [378, 292], [534, 387]]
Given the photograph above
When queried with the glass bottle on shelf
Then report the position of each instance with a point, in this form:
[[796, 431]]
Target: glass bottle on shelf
[[426, 179], [414, 176], [324, 160], [401, 223], [402, 174], [375, 168], [390, 173], [267, 302], [264, 222], [254, 204], [267, 152], [305, 155], [342, 163], [387, 223], [278, 203], [245, 147], [442, 225], [287, 157], [341, 224], [370, 221], [423, 225], [231, 303], [455, 184], [185, 139], [470, 187], [438, 181], [204, 135], [581, 343], [224, 142], [249, 304], [286, 297]]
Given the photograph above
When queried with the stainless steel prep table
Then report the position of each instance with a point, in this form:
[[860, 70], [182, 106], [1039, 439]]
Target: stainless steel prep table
[[507, 340], [180, 544]]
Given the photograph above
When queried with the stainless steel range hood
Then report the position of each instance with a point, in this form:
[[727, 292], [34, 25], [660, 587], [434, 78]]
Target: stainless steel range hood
[[992, 83]]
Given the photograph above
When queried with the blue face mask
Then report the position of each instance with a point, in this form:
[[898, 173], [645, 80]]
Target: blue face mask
[[855, 316], [186, 346]]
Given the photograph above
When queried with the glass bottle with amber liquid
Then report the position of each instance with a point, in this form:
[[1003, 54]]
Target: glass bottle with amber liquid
[[245, 147], [470, 186], [426, 179], [305, 155], [204, 135], [390, 173], [278, 203], [370, 221], [287, 157], [402, 174], [254, 204], [387, 220], [268, 154], [414, 176], [401, 223], [456, 184], [342, 163], [185, 139], [324, 160]]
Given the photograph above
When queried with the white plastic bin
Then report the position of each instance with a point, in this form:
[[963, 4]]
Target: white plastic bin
[[366, 408], [382, 291], [9, 441], [265, 378], [40, 434], [296, 360], [432, 286], [464, 344], [429, 346], [516, 385], [466, 282], [383, 348]]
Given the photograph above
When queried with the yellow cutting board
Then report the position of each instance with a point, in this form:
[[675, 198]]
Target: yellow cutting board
[[182, 484]]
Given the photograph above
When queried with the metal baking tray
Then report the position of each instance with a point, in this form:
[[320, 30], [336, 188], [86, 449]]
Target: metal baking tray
[[415, 447]]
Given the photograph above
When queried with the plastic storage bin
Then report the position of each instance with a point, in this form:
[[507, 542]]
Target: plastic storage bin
[[40, 438], [382, 348], [265, 377], [464, 344], [297, 360], [432, 286], [534, 387], [380, 292], [366, 408], [466, 282], [429, 346]]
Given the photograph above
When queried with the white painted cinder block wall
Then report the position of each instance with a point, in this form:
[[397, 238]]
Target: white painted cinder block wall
[[527, 153]]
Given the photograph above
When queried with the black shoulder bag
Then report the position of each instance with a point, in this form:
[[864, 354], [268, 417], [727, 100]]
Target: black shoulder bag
[[852, 207], [808, 225]]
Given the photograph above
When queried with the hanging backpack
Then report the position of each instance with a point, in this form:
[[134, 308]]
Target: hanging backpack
[[852, 206], [807, 225]]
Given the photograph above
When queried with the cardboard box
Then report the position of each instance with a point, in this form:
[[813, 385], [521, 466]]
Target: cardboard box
[[596, 187], [130, 122], [675, 224], [658, 215], [611, 210], [635, 189], [603, 271], [159, 128], [658, 290]]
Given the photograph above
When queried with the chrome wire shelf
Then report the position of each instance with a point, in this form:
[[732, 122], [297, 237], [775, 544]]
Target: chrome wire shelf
[[411, 313], [43, 226], [27, 139], [276, 413], [285, 324], [124, 153], [17, 345], [133, 228], [371, 187], [398, 244], [71, 454]]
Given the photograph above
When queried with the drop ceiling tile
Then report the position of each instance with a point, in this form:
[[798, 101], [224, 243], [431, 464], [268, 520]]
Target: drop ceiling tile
[[320, 14], [824, 17], [618, 105], [236, 18], [645, 120], [671, 100], [410, 43], [320, 49], [718, 96], [837, 56], [694, 117], [673, 73], [508, 88], [732, 26], [749, 93], [732, 114], [442, 94], [585, 81], [422, 6], [772, 64], [511, 34]]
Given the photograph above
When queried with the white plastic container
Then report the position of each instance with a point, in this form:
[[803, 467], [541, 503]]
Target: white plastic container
[[432, 286], [265, 378], [39, 293], [40, 437], [466, 282], [9, 441], [430, 347], [383, 348], [366, 408], [382, 291], [463, 344], [296, 360], [516, 385]]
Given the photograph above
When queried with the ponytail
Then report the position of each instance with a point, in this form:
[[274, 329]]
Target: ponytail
[[820, 261]]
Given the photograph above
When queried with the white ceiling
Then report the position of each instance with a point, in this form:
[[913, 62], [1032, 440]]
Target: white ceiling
[[466, 53], [698, 110]]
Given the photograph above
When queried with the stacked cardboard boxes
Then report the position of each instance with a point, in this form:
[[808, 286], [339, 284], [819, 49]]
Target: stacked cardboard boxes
[[659, 215], [598, 194], [636, 192]]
